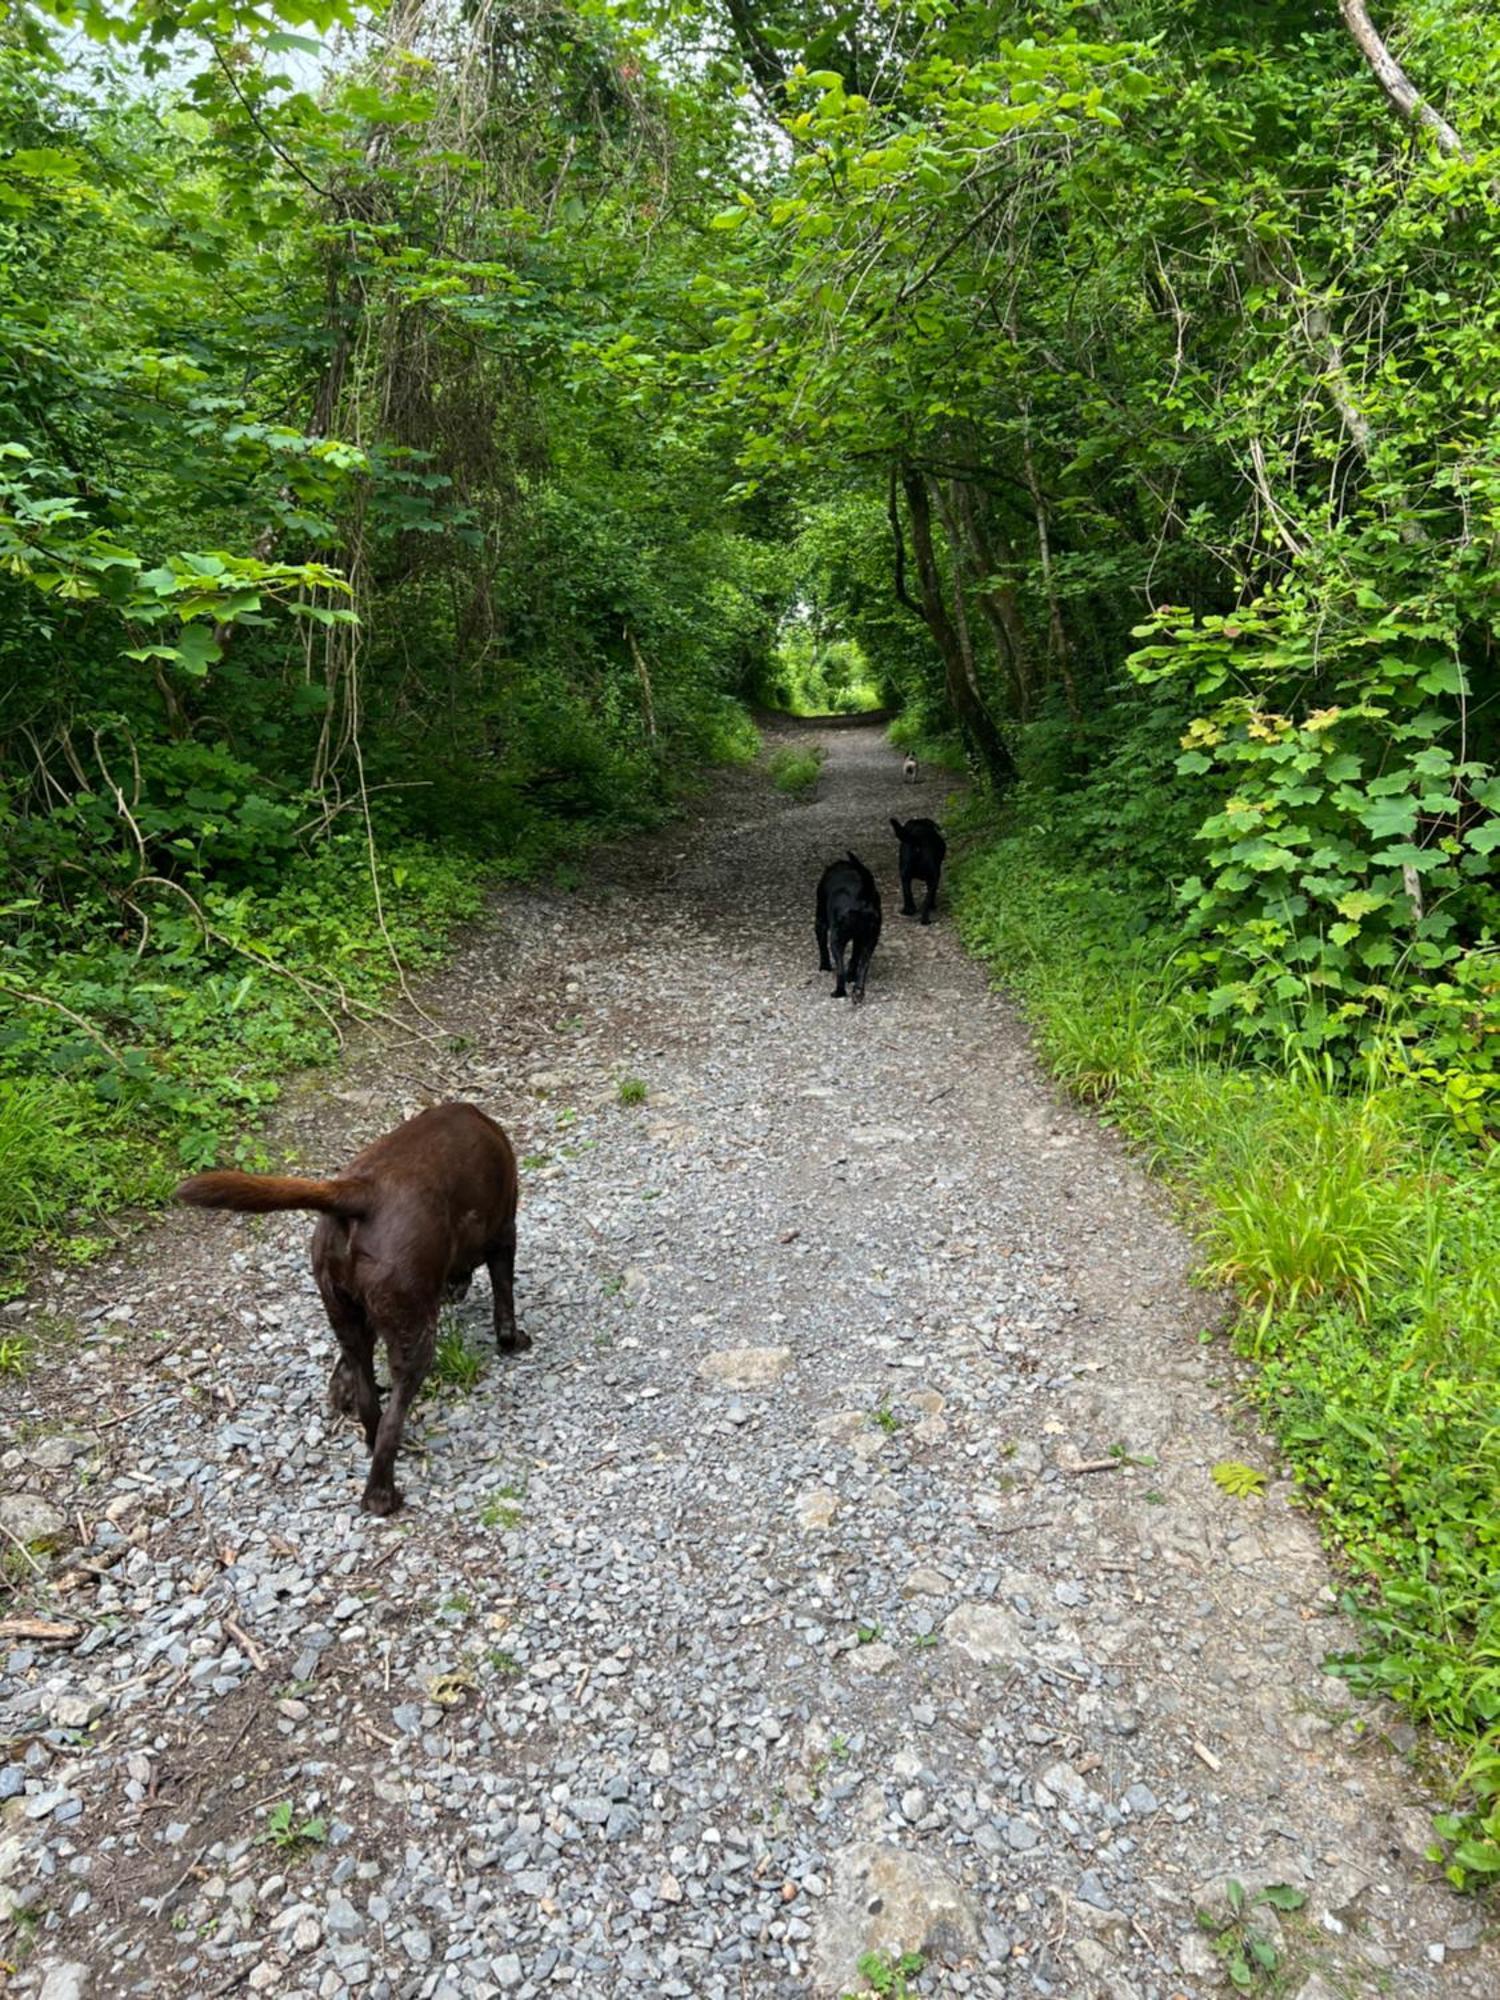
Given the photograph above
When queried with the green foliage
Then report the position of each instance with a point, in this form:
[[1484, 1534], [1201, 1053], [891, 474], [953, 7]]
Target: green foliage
[[289, 1835], [1363, 1235], [631, 1090], [455, 1365], [795, 770], [1251, 1953], [345, 512], [1239, 1481], [812, 673], [15, 1354], [128, 1055], [889, 1975]]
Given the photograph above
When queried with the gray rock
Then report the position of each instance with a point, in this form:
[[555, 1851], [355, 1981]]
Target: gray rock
[[987, 1634], [888, 1899], [745, 1367], [31, 1520], [68, 1980]]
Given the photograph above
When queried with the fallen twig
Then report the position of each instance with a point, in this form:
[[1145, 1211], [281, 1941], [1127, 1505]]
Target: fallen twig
[[35, 1565], [237, 1632], [126, 1415], [43, 1631], [1206, 1755]]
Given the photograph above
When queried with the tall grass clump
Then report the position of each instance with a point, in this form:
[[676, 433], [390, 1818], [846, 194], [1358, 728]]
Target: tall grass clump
[[795, 770]]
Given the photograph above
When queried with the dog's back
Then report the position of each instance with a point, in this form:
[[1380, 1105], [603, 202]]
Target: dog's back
[[847, 890], [848, 919], [922, 845], [923, 849]]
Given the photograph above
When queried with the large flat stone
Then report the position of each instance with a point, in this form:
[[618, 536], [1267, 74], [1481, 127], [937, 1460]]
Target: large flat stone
[[885, 1899], [745, 1367], [987, 1634]]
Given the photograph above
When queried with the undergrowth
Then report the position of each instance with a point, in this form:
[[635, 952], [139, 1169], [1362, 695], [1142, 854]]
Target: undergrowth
[[928, 742], [140, 1057], [145, 1039], [1360, 1228], [793, 770]]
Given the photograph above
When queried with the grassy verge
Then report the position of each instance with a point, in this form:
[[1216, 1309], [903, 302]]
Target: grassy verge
[[137, 1058], [940, 748], [130, 1055], [1362, 1235], [793, 770]]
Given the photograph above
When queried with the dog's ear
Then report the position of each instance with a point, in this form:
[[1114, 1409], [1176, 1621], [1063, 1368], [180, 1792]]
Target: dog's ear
[[898, 829]]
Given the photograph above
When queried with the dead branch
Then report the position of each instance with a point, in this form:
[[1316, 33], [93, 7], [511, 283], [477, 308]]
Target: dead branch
[[1394, 81]]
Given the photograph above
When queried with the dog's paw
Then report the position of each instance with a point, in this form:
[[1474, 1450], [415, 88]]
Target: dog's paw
[[514, 1342], [382, 1500], [926, 920]]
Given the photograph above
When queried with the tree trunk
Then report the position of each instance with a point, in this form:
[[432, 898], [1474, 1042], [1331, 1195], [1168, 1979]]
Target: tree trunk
[[648, 699], [963, 695], [998, 602], [1057, 632]]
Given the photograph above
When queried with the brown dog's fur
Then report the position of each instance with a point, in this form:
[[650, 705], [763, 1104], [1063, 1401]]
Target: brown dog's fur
[[405, 1224]]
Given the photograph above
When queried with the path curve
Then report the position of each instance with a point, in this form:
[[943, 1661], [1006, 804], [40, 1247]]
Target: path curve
[[691, 1672]]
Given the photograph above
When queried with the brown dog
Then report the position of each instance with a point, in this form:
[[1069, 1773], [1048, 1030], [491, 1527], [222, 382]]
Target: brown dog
[[407, 1222]]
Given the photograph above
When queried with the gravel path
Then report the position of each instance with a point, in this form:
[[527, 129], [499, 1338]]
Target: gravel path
[[791, 1599]]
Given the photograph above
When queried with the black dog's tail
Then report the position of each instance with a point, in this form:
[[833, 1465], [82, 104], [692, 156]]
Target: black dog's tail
[[897, 828], [855, 859]]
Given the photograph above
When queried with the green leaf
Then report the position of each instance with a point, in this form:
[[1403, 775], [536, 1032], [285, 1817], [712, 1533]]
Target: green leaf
[[1241, 1482], [1282, 1896], [197, 650]]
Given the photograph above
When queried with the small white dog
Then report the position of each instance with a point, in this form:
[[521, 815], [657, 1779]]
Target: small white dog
[[909, 770]]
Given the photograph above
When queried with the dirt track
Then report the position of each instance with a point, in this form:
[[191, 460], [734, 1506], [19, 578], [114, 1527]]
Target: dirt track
[[680, 1658]]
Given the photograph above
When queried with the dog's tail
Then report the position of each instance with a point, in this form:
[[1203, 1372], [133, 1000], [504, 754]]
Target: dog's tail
[[262, 1194], [897, 828], [855, 859]]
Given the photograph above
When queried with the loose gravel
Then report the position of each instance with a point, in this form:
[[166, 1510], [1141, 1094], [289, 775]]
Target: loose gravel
[[840, 1572]]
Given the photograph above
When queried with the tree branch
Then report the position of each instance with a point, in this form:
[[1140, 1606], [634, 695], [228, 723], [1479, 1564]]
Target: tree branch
[[1394, 81]]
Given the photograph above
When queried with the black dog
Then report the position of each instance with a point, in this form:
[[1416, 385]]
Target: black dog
[[848, 919], [922, 850]]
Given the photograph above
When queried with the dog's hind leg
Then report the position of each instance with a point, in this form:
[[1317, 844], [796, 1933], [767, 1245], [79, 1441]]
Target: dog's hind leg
[[908, 906], [502, 1265], [410, 1354], [351, 1387], [931, 902], [825, 963], [840, 990]]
